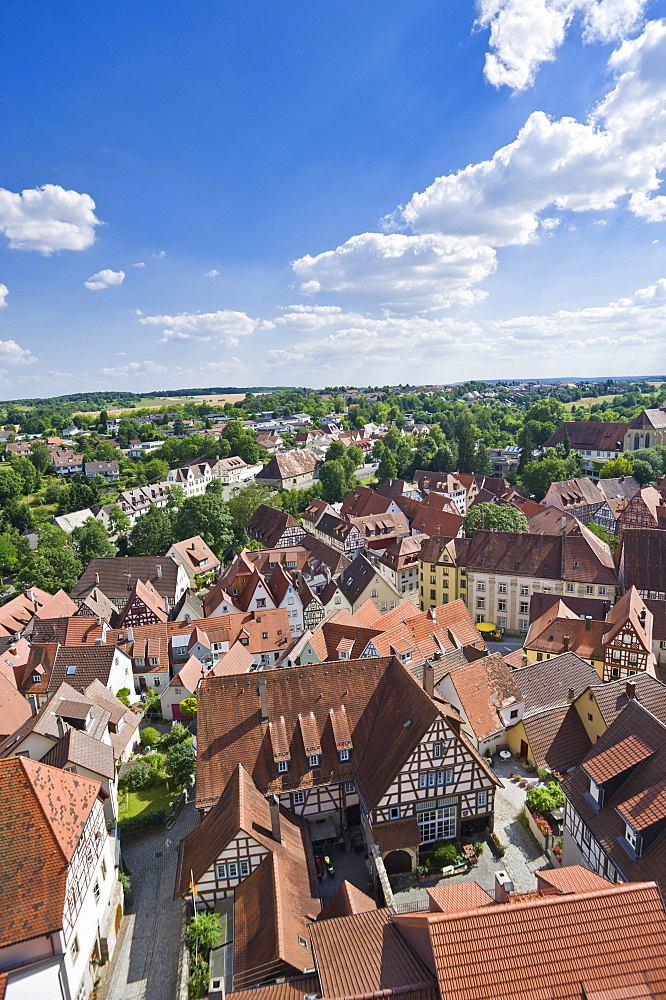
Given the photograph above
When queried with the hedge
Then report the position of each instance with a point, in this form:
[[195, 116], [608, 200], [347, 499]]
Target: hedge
[[134, 824]]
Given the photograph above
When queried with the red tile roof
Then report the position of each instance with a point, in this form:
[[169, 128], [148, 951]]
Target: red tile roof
[[573, 878], [457, 898], [345, 900], [645, 808], [608, 762], [396, 834], [44, 811]]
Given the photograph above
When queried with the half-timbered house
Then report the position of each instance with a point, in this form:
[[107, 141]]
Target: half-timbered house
[[274, 528], [353, 742], [144, 607]]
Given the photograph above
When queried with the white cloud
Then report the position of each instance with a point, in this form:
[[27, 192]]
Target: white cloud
[[139, 263], [12, 354], [224, 326], [105, 278], [213, 273], [137, 368], [4, 292], [160, 254], [403, 272], [526, 33], [47, 219], [565, 164]]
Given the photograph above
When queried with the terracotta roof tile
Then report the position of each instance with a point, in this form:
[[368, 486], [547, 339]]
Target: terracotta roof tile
[[594, 435], [292, 989], [396, 834], [609, 762], [557, 738], [484, 687], [457, 898], [573, 878], [14, 708], [345, 900]]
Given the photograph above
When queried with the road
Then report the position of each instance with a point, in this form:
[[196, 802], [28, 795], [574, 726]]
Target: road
[[146, 961]]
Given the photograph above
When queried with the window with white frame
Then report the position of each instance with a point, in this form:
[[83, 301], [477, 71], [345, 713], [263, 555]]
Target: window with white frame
[[283, 766], [75, 949], [501, 622], [349, 787], [344, 754], [501, 605], [431, 779], [501, 588], [313, 760], [298, 798], [481, 586], [96, 892], [437, 750], [480, 602], [524, 608], [373, 593], [232, 869], [394, 812], [615, 671], [524, 591], [482, 799], [523, 624]]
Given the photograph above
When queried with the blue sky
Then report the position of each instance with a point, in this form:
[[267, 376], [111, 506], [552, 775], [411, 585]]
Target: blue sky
[[290, 192]]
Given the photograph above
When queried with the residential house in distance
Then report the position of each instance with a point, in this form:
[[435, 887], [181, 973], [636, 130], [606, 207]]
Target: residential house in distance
[[49, 664], [442, 571], [194, 556], [362, 581], [66, 462], [615, 813], [274, 528], [363, 500], [448, 484], [580, 497], [235, 470], [551, 732], [109, 470], [345, 536], [75, 519], [314, 511], [646, 509], [14, 709], [61, 918], [17, 615], [290, 470], [381, 530], [144, 606], [596, 441], [192, 479], [116, 577]]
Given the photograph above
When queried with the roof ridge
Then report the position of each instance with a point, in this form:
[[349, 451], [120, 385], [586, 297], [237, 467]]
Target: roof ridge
[[551, 899]]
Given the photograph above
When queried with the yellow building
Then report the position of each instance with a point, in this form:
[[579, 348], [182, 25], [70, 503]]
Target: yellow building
[[442, 572], [363, 582]]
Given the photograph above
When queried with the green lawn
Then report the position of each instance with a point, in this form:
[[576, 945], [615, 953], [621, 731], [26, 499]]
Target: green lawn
[[370, 481], [145, 801]]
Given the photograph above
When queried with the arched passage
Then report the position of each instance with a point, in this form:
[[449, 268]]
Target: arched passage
[[398, 861]]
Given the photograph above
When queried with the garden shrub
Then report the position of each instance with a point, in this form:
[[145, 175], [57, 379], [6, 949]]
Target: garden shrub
[[150, 737], [544, 800], [139, 777], [178, 734], [135, 824], [446, 854]]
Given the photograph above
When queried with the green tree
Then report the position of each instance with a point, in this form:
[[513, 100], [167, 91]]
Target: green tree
[[50, 569], [616, 467], [208, 516], [188, 707], [119, 522], [336, 450], [152, 534], [355, 455], [8, 554], [156, 470], [181, 762], [334, 480], [494, 517], [605, 535], [443, 460], [483, 466], [242, 505], [647, 464], [537, 476], [39, 456], [123, 695], [11, 485], [466, 449], [150, 737], [90, 541], [387, 468], [204, 933]]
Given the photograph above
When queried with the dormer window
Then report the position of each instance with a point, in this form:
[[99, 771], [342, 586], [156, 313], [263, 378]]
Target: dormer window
[[344, 754], [283, 766], [633, 839], [596, 793], [264, 635], [313, 760], [36, 679], [244, 640]]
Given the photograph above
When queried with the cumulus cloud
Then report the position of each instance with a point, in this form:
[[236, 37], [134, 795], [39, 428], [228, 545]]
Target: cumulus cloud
[[4, 292], [105, 278], [137, 368], [563, 165], [12, 354], [526, 33], [47, 219], [139, 263], [224, 326], [213, 273], [404, 272]]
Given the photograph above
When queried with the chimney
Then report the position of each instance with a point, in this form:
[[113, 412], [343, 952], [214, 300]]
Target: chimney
[[30, 594], [587, 625], [433, 614], [566, 639], [97, 579], [104, 630], [503, 887], [263, 696], [34, 708], [275, 819], [159, 571], [188, 619], [61, 726], [429, 678], [571, 696], [524, 661], [130, 634], [630, 690]]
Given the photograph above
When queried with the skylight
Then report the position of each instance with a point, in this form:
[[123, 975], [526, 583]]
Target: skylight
[[71, 668]]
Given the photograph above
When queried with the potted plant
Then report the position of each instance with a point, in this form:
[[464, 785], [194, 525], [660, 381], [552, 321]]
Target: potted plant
[[478, 847], [422, 872]]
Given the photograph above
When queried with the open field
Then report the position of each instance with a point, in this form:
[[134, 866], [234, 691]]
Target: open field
[[589, 400], [144, 801], [155, 402]]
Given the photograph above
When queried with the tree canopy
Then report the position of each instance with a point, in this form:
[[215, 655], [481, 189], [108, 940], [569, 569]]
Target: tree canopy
[[494, 517]]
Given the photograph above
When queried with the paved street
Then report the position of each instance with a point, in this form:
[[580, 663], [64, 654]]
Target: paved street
[[145, 964]]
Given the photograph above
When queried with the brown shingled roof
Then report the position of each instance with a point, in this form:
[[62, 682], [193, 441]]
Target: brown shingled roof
[[345, 900]]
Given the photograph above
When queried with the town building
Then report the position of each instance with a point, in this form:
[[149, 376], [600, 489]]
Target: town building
[[274, 528], [195, 556], [117, 576], [289, 470], [442, 571], [596, 440]]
